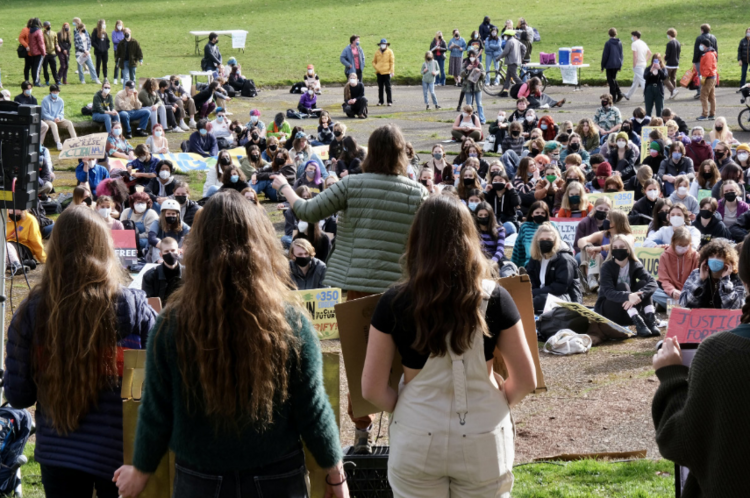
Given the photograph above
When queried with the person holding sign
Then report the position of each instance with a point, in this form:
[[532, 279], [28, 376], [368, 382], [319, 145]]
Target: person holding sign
[[709, 224], [595, 248], [675, 265], [552, 269], [710, 410], [626, 288], [678, 216], [431, 333], [715, 283]]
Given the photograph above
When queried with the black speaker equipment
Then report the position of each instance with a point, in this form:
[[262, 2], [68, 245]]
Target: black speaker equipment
[[20, 131]]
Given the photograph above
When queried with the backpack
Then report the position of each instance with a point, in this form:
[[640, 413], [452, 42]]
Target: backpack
[[64, 200], [50, 206], [249, 89], [87, 110], [551, 322], [15, 428], [292, 114], [297, 87]]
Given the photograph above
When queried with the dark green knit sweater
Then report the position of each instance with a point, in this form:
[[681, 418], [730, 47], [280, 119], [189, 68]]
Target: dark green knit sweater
[[164, 421], [701, 416]]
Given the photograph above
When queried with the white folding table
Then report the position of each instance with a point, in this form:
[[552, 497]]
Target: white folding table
[[237, 36]]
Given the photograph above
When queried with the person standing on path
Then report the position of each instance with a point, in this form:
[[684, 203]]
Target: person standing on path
[[612, 62], [641, 55], [513, 52], [457, 47], [376, 210], [654, 78], [384, 63], [353, 58], [743, 57], [438, 49], [430, 71], [672, 62], [708, 40], [708, 70]]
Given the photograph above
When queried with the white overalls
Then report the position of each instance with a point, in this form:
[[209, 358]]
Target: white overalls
[[451, 432]]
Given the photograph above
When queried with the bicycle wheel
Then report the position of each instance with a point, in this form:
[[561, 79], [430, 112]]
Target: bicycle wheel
[[544, 82], [495, 76], [744, 119]]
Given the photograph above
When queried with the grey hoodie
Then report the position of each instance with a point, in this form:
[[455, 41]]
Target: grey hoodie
[[513, 52]]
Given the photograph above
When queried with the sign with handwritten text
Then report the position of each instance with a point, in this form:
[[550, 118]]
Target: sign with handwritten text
[[94, 145], [567, 228], [320, 303], [639, 234], [649, 257], [695, 325]]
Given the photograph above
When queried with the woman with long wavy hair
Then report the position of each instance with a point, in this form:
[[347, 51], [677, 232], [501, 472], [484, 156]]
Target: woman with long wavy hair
[[234, 370], [445, 319], [64, 354]]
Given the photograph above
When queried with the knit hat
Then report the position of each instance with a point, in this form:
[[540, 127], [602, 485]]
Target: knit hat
[[744, 147], [541, 158], [622, 135], [232, 61], [255, 112], [218, 110], [551, 145], [604, 169], [656, 146]]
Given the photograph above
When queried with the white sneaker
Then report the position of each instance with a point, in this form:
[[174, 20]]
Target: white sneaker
[[115, 81], [675, 92], [593, 282], [192, 123], [59, 145], [184, 126], [83, 82]]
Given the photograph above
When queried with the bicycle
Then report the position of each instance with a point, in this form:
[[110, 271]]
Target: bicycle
[[497, 78], [744, 117]]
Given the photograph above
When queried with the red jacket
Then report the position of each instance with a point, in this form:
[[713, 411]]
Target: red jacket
[[699, 152], [36, 42], [674, 270], [708, 63]]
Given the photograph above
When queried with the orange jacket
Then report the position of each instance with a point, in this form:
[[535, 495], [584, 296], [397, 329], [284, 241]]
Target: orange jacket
[[674, 270], [566, 213], [23, 38], [708, 64]]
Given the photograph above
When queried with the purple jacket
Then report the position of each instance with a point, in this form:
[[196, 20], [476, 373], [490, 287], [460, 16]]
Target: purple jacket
[[308, 101], [95, 446], [742, 208], [117, 37]]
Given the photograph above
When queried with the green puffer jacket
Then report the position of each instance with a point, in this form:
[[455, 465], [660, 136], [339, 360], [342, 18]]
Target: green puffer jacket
[[375, 215]]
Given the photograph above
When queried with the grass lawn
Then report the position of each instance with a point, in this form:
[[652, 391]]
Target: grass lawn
[[285, 36], [584, 479]]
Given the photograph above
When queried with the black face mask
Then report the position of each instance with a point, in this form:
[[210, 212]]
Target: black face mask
[[181, 199], [498, 186], [570, 180], [620, 254], [546, 246], [169, 258], [515, 133], [254, 157], [224, 161], [534, 152], [14, 217], [302, 262], [625, 130], [605, 224], [336, 133], [484, 220], [272, 147], [87, 201], [539, 219], [706, 214], [719, 128], [663, 216], [600, 215], [605, 103], [254, 136], [171, 220], [423, 182], [730, 196], [611, 190], [707, 174], [468, 182], [280, 161], [719, 155], [575, 147]]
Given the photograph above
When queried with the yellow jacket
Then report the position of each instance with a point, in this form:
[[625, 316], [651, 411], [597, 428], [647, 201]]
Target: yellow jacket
[[384, 62], [28, 235]]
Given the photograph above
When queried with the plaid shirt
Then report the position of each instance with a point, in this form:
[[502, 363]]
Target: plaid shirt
[[607, 118]]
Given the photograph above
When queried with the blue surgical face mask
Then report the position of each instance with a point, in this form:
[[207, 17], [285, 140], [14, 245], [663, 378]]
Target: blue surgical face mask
[[203, 131], [676, 156], [715, 265], [220, 119], [473, 206], [116, 132], [27, 92], [234, 178], [53, 96], [543, 126]]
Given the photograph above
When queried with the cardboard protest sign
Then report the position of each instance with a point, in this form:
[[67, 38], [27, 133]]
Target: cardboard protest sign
[[639, 234], [320, 303], [703, 193], [596, 317], [622, 201], [646, 142], [94, 145], [125, 246], [567, 228], [649, 256], [692, 326], [354, 328]]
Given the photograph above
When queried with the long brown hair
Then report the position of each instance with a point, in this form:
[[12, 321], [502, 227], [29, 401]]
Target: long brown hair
[[443, 254], [233, 344], [75, 345], [386, 152]]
